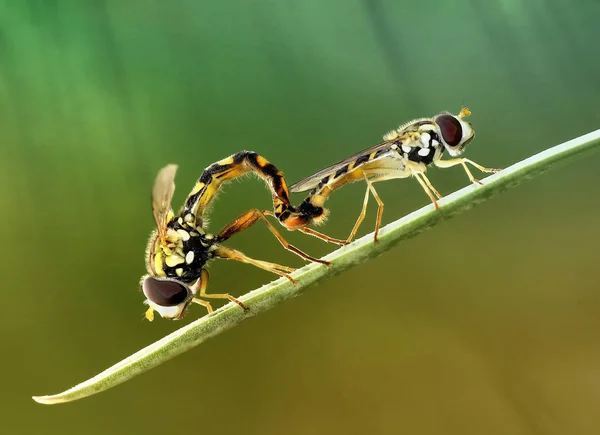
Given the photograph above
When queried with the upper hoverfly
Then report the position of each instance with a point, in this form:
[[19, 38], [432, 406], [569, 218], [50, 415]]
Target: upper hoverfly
[[180, 247], [406, 151]]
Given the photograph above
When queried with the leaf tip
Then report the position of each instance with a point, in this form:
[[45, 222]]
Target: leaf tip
[[47, 400]]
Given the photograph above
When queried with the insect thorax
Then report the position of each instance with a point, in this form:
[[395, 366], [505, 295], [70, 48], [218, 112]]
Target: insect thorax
[[183, 252], [421, 145]]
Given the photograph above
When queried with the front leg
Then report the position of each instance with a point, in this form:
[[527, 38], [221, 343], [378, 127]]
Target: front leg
[[202, 284], [463, 162]]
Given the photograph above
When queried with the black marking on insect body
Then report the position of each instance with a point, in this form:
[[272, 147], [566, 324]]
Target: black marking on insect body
[[433, 136], [341, 171], [308, 210], [267, 168], [414, 155], [361, 159], [199, 244], [380, 152]]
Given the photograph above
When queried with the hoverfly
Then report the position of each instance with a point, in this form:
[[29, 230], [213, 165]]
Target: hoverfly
[[180, 247], [406, 151]]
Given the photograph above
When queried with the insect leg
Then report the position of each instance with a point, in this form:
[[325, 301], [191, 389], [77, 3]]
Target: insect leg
[[463, 162], [379, 209], [426, 189], [322, 236], [202, 284], [205, 304], [232, 254], [361, 216], [433, 189], [248, 219]]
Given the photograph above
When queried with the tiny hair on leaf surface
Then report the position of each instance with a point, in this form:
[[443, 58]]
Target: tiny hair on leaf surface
[[269, 295]]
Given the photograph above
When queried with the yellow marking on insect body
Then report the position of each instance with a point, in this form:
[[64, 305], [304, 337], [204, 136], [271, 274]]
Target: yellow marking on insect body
[[226, 161], [174, 260], [179, 271], [197, 188], [185, 236], [209, 193], [231, 173], [158, 264], [262, 162], [319, 198], [173, 236]]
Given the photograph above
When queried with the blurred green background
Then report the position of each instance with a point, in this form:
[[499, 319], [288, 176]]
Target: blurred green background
[[487, 323]]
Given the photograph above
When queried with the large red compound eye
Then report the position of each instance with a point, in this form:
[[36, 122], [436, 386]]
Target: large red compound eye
[[450, 128], [165, 292]]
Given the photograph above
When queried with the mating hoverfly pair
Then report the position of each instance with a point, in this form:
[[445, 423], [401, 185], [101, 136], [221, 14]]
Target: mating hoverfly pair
[[180, 247]]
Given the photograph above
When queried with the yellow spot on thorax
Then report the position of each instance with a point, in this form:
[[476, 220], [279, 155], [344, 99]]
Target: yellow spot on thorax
[[174, 260], [158, 263], [185, 236]]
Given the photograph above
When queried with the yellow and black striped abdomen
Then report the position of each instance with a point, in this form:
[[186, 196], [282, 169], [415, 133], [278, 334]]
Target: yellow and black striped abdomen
[[326, 181], [231, 167], [349, 172]]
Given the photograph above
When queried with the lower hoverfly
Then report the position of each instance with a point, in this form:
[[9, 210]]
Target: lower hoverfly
[[406, 151], [180, 247]]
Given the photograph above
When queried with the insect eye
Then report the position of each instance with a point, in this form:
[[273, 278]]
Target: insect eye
[[450, 128], [165, 292]]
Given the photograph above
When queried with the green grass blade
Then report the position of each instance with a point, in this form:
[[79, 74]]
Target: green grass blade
[[362, 249]]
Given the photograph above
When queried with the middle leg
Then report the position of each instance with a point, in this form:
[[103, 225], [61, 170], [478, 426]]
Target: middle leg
[[248, 219], [232, 254]]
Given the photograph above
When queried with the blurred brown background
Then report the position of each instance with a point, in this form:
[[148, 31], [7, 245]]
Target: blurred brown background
[[487, 323]]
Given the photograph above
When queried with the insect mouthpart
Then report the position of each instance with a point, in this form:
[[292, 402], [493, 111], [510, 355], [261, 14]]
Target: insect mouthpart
[[167, 296]]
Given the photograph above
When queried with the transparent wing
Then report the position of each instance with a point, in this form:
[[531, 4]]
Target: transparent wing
[[312, 181], [162, 194]]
